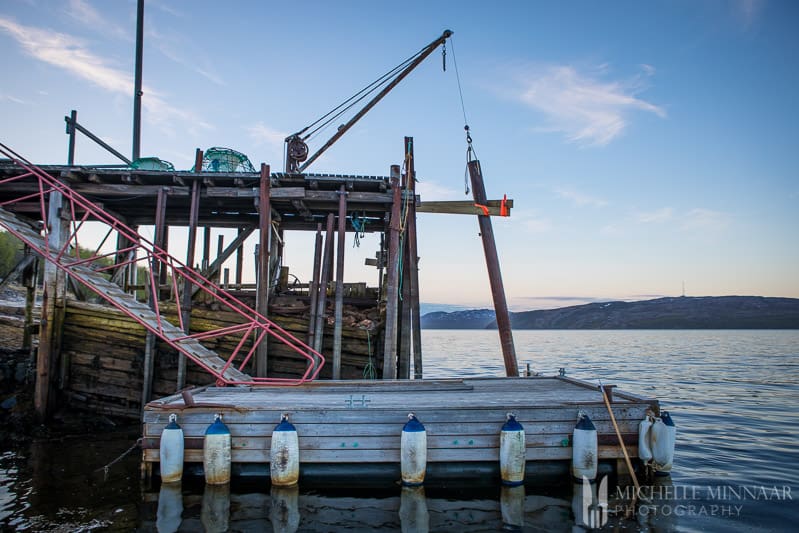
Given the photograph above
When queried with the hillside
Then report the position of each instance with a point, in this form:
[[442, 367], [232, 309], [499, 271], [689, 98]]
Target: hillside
[[709, 312]]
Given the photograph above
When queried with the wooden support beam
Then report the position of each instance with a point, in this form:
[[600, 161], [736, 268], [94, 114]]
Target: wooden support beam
[[159, 273], [235, 246], [206, 260], [186, 300], [220, 244], [403, 304], [240, 257], [494, 273], [262, 288], [390, 344], [339, 310], [464, 207], [313, 286], [412, 260], [52, 313], [327, 264], [29, 275]]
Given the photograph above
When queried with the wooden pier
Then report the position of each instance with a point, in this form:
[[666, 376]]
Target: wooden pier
[[349, 428]]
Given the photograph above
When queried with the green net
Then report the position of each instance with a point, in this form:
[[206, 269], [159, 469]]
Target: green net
[[219, 159], [151, 163]]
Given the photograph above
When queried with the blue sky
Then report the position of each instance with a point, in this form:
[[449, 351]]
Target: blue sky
[[645, 144]]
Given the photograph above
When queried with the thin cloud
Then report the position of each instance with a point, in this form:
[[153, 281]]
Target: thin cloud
[[262, 134], [73, 55], [586, 109], [170, 46], [658, 215], [705, 220], [431, 191], [579, 198], [83, 12], [748, 11], [9, 98], [532, 222]]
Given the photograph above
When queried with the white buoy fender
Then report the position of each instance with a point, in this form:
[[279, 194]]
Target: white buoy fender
[[644, 439], [511, 452], [664, 437], [413, 452], [171, 451], [584, 449], [216, 453], [284, 454]]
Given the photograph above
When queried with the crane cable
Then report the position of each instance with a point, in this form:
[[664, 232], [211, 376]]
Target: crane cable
[[347, 104], [471, 154]]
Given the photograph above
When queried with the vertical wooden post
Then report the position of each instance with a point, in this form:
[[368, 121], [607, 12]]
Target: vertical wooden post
[[262, 287], [313, 285], [403, 306], [206, 260], [412, 259], [339, 311], [159, 274], [52, 312], [239, 262], [390, 345], [186, 300], [494, 273], [71, 131], [327, 263], [220, 246], [29, 282]]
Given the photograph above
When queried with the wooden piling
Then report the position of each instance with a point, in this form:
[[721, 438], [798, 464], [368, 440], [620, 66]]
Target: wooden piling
[[194, 216], [327, 261], [390, 345], [239, 261], [313, 285], [53, 301], [29, 274], [220, 246], [494, 273], [159, 273], [404, 324], [262, 287], [339, 309], [412, 258]]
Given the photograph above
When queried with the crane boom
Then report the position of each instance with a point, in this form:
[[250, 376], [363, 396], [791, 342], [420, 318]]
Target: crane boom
[[297, 150]]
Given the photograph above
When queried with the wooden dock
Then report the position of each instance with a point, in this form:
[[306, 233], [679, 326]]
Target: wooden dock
[[351, 428]]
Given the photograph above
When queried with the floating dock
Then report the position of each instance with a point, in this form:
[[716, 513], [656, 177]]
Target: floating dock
[[349, 430]]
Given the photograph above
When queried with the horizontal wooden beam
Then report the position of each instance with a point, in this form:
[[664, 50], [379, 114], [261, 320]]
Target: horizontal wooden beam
[[463, 207]]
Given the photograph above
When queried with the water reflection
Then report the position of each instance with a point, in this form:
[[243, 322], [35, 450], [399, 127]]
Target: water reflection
[[511, 501], [170, 507], [285, 511], [215, 514], [413, 513]]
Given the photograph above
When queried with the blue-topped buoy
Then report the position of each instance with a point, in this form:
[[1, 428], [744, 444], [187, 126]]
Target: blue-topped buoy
[[645, 438], [664, 437], [216, 453], [585, 453], [512, 452], [171, 451], [413, 452], [284, 454]]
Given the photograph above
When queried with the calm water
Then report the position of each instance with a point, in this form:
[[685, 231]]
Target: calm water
[[734, 396]]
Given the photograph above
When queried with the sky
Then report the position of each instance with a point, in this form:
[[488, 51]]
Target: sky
[[650, 148]]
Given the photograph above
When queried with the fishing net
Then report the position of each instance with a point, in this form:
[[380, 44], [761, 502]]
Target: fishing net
[[219, 159], [151, 163]]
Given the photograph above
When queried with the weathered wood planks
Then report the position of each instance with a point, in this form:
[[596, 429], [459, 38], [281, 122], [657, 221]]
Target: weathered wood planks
[[361, 422]]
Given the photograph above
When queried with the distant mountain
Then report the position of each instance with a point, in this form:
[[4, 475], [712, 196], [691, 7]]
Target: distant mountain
[[707, 312], [471, 319]]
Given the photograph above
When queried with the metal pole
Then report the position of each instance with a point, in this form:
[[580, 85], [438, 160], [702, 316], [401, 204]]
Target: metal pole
[[137, 92], [494, 274], [339, 310], [390, 345]]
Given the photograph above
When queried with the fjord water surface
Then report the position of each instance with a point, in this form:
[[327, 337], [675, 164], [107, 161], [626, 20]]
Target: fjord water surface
[[734, 396]]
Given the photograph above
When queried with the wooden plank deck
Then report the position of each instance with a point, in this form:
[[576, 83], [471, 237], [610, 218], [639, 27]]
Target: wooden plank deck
[[359, 422]]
